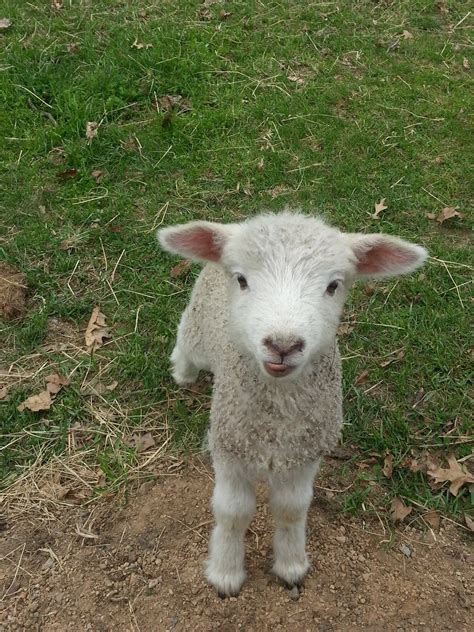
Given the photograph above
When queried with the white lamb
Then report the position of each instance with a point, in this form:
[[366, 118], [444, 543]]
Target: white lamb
[[263, 318]]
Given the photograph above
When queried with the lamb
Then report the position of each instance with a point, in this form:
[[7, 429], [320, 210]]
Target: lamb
[[263, 317]]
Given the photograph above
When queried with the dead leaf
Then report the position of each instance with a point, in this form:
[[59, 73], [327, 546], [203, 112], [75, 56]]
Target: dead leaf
[[345, 328], [448, 213], [56, 378], [224, 14], [56, 4], [361, 378], [394, 358], [97, 174], [96, 330], [379, 207], [140, 45], [295, 79], [454, 474], [469, 522], [140, 442], [73, 48], [69, 173], [98, 388], [91, 130], [406, 550], [180, 268], [465, 63], [3, 392], [388, 466], [399, 510], [5, 23], [172, 103], [431, 215], [204, 14], [407, 35], [433, 519], [42, 401]]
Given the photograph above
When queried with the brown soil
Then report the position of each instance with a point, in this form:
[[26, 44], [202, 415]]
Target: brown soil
[[139, 568], [12, 293]]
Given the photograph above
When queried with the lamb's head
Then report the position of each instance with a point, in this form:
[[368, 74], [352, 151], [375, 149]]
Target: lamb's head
[[288, 278]]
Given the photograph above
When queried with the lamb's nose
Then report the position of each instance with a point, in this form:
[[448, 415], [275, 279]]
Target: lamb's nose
[[284, 348]]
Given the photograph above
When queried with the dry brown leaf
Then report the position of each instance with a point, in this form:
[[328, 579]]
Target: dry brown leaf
[[345, 328], [433, 519], [431, 215], [57, 378], [399, 510], [92, 129], [180, 268], [469, 522], [97, 174], [465, 63], [448, 213], [73, 48], [69, 173], [5, 23], [394, 358], [140, 442], [3, 392], [388, 466], [378, 208], [42, 401], [407, 35], [361, 378], [96, 330], [454, 474], [172, 103], [224, 14], [57, 4]]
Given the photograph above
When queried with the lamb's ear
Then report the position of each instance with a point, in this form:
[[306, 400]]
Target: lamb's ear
[[382, 256], [199, 241]]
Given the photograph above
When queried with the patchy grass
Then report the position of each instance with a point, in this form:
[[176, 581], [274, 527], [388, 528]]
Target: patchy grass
[[332, 106]]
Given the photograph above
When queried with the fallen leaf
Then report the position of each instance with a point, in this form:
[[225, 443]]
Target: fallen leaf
[[73, 48], [296, 79], [57, 4], [454, 474], [406, 550], [91, 129], [448, 213], [394, 358], [379, 207], [172, 103], [3, 392], [224, 14], [433, 519], [5, 23], [345, 328], [69, 173], [431, 215], [205, 14], [140, 442], [388, 466], [465, 63], [98, 388], [56, 378], [469, 522], [180, 268], [42, 401], [140, 45], [97, 174], [407, 35], [399, 510], [96, 330], [361, 378]]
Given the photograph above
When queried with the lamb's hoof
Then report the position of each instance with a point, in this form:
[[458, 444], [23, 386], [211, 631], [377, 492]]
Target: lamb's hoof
[[226, 585], [291, 575]]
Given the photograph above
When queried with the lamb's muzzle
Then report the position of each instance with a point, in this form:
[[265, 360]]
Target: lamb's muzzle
[[263, 318]]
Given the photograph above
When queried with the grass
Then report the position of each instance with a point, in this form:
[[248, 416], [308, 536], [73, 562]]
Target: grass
[[329, 106]]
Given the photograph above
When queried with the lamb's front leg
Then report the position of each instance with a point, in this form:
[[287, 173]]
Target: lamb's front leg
[[234, 506], [290, 497]]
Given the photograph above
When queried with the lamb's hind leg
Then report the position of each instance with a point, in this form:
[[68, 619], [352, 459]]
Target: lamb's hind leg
[[234, 506], [290, 498]]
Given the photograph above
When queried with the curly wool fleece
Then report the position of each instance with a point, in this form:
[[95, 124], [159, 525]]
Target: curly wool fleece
[[275, 425]]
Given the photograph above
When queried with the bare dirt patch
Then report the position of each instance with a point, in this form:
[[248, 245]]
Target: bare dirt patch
[[12, 293], [139, 567]]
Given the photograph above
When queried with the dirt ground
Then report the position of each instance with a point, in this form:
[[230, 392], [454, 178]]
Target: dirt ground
[[138, 567]]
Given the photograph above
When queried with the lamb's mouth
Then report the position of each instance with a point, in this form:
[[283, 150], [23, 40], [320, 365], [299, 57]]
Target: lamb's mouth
[[278, 370]]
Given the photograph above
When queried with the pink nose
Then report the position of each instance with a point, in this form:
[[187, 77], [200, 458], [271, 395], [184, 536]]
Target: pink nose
[[284, 349]]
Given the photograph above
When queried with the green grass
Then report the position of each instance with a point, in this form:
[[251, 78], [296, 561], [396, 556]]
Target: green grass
[[323, 105]]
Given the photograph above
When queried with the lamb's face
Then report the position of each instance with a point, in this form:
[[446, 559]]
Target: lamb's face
[[288, 279]]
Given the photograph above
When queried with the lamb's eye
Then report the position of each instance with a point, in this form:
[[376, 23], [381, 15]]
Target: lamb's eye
[[332, 287], [242, 282]]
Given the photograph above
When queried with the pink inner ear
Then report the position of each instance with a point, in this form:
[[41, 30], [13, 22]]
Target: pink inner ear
[[197, 242], [384, 257]]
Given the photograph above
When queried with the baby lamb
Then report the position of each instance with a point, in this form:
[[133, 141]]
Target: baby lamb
[[263, 318]]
